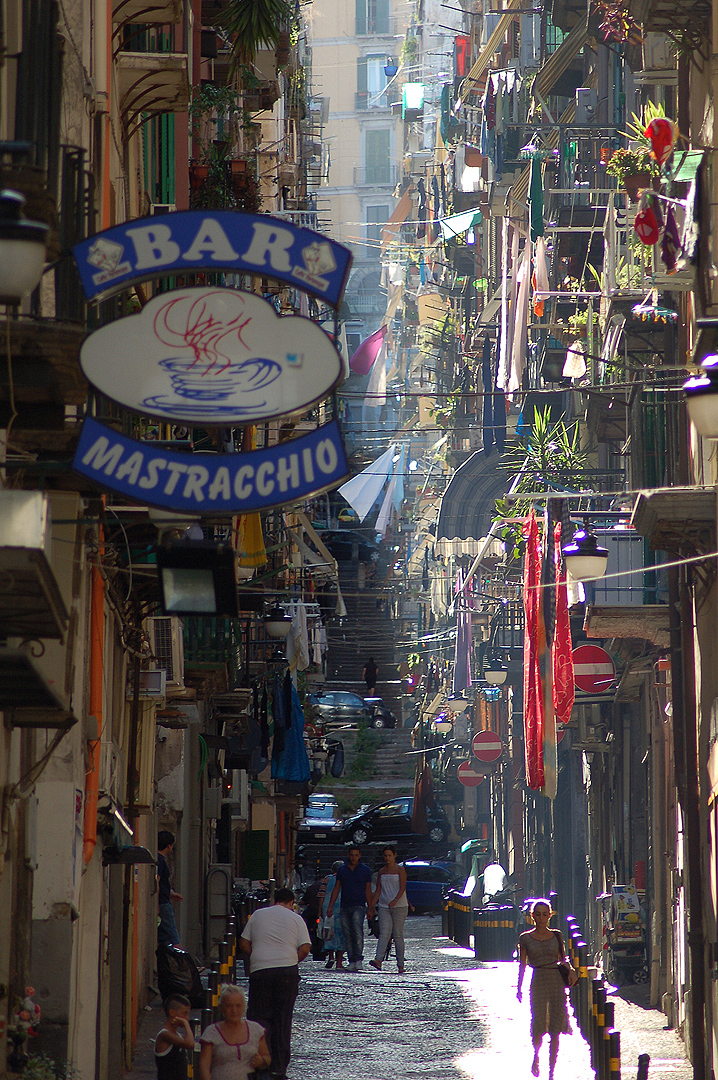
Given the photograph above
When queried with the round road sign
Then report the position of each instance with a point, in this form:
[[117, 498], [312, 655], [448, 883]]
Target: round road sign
[[487, 746], [593, 669], [468, 775]]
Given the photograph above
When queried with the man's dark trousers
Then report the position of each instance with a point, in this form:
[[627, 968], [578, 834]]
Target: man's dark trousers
[[272, 993]]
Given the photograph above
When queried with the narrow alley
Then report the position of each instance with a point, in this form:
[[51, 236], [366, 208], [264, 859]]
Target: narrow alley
[[449, 1018]]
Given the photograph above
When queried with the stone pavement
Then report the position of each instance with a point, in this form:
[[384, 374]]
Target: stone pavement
[[449, 1017]]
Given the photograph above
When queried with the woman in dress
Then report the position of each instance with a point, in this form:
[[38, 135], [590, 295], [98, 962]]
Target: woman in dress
[[543, 950], [335, 946], [392, 908], [235, 1046]]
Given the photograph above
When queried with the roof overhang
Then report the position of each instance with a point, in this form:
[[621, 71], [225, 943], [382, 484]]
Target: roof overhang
[[648, 622], [678, 519]]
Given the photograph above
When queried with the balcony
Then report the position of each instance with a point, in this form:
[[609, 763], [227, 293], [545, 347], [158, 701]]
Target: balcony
[[368, 99], [383, 175], [139, 12], [150, 84]]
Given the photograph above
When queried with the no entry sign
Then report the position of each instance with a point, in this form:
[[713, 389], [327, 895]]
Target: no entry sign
[[593, 669], [487, 746], [468, 774]]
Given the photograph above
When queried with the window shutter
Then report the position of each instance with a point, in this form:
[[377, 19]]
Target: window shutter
[[362, 95], [360, 16], [382, 17]]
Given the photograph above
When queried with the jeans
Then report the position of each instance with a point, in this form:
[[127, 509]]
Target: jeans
[[272, 993], [391, 924], [167, 932], [353, 927]]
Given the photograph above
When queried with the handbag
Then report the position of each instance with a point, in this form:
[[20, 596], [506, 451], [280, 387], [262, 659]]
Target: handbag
[[568, 973], [325, 929]]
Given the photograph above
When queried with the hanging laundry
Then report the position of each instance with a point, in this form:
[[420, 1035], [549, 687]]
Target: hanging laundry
[[663, 134], [421, 210], [671, 243], [436, 207]]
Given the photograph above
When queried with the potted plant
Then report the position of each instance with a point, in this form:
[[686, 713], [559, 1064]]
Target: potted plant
[[633, 168]]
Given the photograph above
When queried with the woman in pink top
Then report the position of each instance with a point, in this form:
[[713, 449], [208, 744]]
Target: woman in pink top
[[233, 1047]]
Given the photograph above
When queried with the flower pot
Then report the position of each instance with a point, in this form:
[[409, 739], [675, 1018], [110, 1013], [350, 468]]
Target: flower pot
[[197, 176], [635, 183], [473, 157]]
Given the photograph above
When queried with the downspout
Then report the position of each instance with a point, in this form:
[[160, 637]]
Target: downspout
[[97, 645]]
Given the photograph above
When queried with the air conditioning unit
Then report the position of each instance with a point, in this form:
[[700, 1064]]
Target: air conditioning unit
[[153, 684], [165, 634], [238, 796], [157, 208], [586, 104]]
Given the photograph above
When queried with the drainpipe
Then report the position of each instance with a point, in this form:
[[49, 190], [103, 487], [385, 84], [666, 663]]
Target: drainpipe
[[92, 776]]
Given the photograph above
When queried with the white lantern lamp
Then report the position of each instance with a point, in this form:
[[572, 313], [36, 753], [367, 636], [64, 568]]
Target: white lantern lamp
[[701, 392], [585, 559], [277, 623], [494, 671], [23, 247], [458, 702]]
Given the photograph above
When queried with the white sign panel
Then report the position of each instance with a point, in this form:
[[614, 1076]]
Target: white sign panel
[[212, 356]]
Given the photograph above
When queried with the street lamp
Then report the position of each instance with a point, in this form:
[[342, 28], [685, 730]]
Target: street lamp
[[277, 623], [494, 671], [458, 703], [442, 725], [197, 578], [585, 560], [22, 249], [702, 398]]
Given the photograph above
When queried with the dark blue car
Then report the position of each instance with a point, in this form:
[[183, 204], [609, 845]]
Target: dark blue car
[[427, 882]]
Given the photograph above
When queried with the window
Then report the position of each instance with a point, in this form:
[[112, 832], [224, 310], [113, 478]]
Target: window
[[376, 155], [371, 82], [372, 16]]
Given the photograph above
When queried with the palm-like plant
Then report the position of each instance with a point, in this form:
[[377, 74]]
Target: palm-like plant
[[253, 23]]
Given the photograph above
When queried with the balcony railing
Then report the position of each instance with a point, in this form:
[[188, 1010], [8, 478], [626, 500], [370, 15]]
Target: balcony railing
[[383, 174]]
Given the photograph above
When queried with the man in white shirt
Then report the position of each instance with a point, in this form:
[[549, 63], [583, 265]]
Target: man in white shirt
[[276, 940]]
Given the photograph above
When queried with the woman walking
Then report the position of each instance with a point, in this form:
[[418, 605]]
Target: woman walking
[[543, 950], [335, 946], [235, 1046], [392, 908]]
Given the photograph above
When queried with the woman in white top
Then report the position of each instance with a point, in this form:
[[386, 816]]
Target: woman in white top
[[392, 907]]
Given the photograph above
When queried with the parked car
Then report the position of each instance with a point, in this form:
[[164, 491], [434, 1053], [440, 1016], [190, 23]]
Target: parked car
[[381, 716], [347, 514], [319, 831], [322, 806], [426, 883], [392, 821], [337, 708]]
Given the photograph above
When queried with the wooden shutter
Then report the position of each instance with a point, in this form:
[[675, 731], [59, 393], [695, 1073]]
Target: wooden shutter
[[381, 20], [376, 156], [362, 95], [360, 16]]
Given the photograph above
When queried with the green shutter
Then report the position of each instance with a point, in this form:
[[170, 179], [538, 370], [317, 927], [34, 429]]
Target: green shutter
[[376, 156], [361, 97], [361, 16], [381, 25], [255, 861]]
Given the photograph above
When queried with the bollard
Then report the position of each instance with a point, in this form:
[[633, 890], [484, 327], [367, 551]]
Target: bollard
[[193, 1055], [445, 917], [599, 1055], [593, 1023], [644, 1060], [214, 982], [615, 1055], [582, 986], [609, 1017], [478, 935], [207, 1018], [224, 961]]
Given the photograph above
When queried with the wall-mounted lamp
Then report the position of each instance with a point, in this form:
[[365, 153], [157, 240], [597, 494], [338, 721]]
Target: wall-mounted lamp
[[442, 725], [277, 623], [23, 246], [702, 398], [390, 67], [585, 560], [197, 578], [458, 702]]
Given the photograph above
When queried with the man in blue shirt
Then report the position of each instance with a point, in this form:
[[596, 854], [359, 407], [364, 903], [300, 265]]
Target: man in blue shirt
[[354, 883]]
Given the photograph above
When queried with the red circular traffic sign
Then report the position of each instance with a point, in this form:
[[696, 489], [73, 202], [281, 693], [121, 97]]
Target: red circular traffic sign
[[468, 775], [593, 669], [487, 746]]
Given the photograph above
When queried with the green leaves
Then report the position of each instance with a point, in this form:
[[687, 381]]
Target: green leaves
[[254, 23]]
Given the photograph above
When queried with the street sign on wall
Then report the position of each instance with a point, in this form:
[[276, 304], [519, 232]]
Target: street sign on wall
[[212, 483], [487, 746], [189, 240], [594, 671], [468, 774], [212, 356]]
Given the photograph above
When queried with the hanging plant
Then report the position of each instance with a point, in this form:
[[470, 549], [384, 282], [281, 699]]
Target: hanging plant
[[253, 24]]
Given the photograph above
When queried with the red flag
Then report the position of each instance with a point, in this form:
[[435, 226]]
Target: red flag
[[362, 360], [563, 685], [534, 655]]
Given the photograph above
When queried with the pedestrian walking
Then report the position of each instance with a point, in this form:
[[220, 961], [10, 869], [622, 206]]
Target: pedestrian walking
[[235, 1046], [167, 932], [276, 940], [392, 907], [543, 950], [354, 884], [174, 1039], [335, 946], [369, 675]]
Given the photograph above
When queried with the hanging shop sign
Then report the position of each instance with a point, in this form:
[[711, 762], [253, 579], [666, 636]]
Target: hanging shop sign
[[212, 356], [190, 240], [212, 483]]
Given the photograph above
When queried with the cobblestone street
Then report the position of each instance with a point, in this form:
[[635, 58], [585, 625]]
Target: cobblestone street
[[448, 1018]]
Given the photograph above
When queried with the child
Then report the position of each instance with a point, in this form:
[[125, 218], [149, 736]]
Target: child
[[176, 1037]]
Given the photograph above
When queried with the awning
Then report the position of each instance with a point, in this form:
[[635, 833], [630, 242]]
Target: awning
[[396, 219], [560, 60], [459, 223], [467, 505], [686, 165], [481, 64]]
